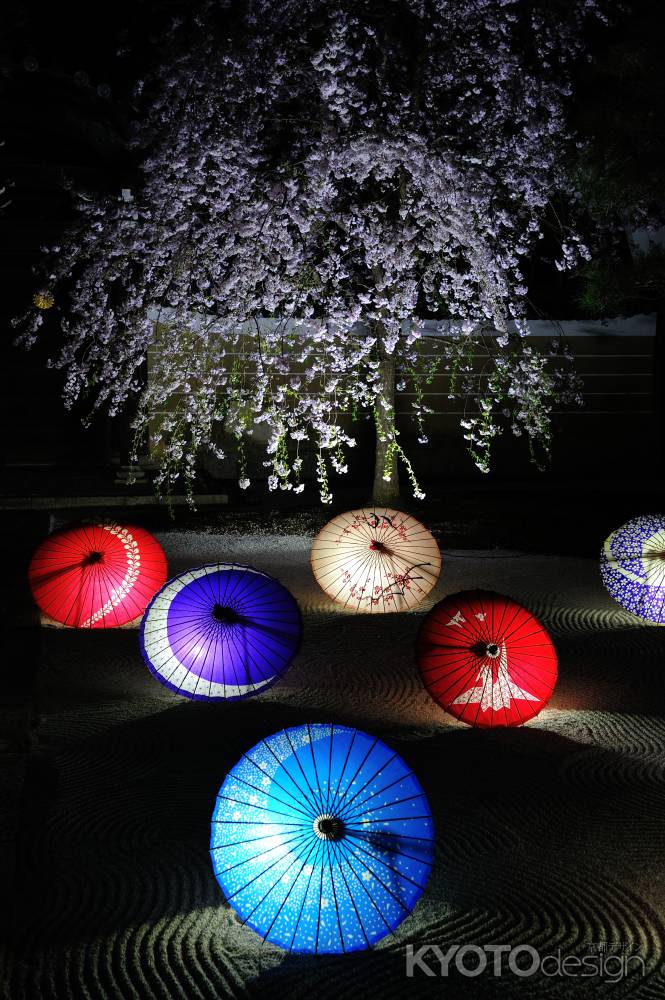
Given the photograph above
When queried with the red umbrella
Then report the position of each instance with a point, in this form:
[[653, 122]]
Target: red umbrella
[[486, 659], [97, 575]]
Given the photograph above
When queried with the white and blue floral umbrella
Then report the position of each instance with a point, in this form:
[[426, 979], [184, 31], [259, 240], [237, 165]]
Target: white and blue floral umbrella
[[322, 839], [632, 565]]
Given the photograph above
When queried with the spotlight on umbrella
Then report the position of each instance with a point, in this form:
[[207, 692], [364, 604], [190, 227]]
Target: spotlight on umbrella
[[632, 565], [486, 659], [375, 560], [96, 575], [220, 632], [322, 839]]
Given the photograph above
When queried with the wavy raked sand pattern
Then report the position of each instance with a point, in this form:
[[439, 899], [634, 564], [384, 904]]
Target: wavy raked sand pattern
[[549, 835]]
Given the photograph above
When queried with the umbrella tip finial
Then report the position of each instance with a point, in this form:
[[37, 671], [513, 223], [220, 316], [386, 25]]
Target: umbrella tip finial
[[328, 827], [490, 649], [225, 615]]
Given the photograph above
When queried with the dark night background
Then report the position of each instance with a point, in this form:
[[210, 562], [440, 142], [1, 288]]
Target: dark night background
[[65, 116], [66, 109]]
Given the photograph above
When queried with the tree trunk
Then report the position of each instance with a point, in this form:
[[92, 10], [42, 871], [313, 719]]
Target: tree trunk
[[385, 493]]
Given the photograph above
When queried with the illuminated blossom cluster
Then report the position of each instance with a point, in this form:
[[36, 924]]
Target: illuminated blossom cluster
[[319, 177]]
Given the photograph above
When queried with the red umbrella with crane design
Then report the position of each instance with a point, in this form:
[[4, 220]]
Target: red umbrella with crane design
[[486, 659]]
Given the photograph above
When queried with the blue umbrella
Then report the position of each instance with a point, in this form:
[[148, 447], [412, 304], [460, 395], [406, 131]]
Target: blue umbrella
[[322, 839], [632, 565], [220, 632]]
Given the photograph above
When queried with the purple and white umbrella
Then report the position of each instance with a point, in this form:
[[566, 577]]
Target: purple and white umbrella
[[220, 632], [632, 565]]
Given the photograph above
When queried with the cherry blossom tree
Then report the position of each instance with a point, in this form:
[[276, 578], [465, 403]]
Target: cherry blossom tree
[[319, 179]]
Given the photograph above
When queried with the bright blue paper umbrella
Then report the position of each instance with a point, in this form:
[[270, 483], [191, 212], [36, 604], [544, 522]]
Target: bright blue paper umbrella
[[221, 631], [322, 839], [632, 564]]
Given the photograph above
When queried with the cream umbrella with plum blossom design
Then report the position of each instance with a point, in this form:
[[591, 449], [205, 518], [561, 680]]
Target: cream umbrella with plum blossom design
[[375, 560]]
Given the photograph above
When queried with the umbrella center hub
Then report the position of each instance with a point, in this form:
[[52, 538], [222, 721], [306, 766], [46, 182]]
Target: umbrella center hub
[[225, 615], [328, 827], [490, 649], [377, 546], [92, 558]]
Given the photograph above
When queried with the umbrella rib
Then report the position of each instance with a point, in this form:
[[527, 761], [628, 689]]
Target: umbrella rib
[[272, 887], [386, 864], [270, 809], [488, 673], [210, 638], [326, 563], [357, 771], [401, 777], [388, 805], [317, 786], [350, 854], [384, 764], [333, 804], [535, 676], [250, 840], [291, 843], [258, 876], [508, 632], [366, 566], [358, 519], [290, 890], [519, 620], [238, 657], [368, 837], [334, 889], [473, 672], [317, 848], [245, 656], [311, 798], [488, 680], [378, 878], [341, 861], [256, 788], [259, 649], [250, 822], [273, 777], [354, 575], [468, 669], [76, 600], [204, 632], [328, 787], [318, 919]]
